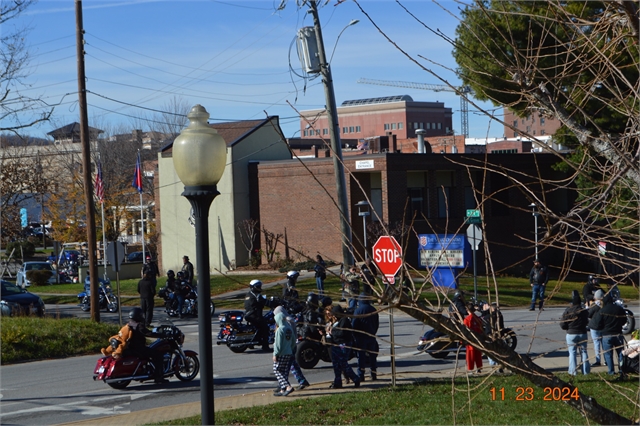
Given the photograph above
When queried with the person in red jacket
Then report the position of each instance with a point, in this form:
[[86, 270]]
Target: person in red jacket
[[473, 322]]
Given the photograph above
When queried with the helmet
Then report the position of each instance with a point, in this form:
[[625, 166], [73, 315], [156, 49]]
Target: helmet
[[326, 301], [256, 286], [180, 275], [458, 294], [136, 314], [293, 275], [312, 300], [171, 274]]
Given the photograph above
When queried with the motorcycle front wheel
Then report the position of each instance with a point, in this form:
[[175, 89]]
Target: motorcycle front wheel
[[509, 337], [113, 306], [438, 349], [189, 369], [121, 384], [307, 354], [213, 308], [630, 325]]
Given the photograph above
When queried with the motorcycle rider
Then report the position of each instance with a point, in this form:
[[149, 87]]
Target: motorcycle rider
[[254, 303], [589, 289], [137, 344], [313, 321], [290, 294], [176, 287], [458, 307]]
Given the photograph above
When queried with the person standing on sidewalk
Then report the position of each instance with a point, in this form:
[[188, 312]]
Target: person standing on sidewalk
[[574, 321], [609, 321], [295, 367], [284, 347], [321, 274], [365, 327], [596, 335], [187, 268], [147, 291], [538, 277], [474, 323], [340, 334]]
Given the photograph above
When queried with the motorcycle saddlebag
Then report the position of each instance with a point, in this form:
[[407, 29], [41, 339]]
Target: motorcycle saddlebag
[[103, 367]]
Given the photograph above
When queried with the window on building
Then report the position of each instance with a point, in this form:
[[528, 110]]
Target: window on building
[[317, 131], [433, 126], [400, 126], [543, 132], [325, 131], [417, 193], [351, 129], [304, 133], [393, 126], [445, 183], [528, 129], [415, 125], [542, 120], [421, 126], [447, 130], [515, 124], [428, 126], [439, 126], [345, 130], [534, 132], [358, 129], [386, 126]]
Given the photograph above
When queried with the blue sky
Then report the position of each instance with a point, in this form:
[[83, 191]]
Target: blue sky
[[233, 57]]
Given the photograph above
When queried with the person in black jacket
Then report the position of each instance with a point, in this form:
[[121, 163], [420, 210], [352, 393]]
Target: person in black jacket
[[574, 320], [596, 335], [147, 291], [538, 278], [187, 268], [609, 321], [458, 307], [137, 343], [254, 303], [590, 289], [365, 327], [339, 330]]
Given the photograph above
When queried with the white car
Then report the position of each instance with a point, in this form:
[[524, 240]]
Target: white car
[[21, 277]]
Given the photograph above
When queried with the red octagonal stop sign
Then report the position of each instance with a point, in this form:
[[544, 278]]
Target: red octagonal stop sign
[[387, 254]]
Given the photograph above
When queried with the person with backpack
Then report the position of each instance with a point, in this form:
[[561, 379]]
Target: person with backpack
[[321, 274], [574, 321], [340, 333]]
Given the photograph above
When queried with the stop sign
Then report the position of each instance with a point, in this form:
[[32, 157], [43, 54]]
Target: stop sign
[[387, 254]]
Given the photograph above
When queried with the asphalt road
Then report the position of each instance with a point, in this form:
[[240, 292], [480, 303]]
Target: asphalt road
[[59, 391]]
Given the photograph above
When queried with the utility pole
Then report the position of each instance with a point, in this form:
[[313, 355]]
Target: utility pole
[[86, 165], [336, 147]]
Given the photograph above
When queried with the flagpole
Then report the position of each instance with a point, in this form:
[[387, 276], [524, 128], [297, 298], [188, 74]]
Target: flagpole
[[137, 184], [142, 227], [104, 243]]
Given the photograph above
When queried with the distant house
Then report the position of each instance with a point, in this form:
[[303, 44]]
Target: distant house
[[247, 142], [71, 134]]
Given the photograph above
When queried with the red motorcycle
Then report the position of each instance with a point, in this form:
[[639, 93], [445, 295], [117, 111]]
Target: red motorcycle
[[118, 373]]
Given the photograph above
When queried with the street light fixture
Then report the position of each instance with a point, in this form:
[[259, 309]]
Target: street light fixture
[[363, 211], [535, 213], [199, 157]]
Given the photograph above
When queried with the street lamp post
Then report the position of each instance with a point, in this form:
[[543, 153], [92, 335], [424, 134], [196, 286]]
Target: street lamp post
[[199, 157], [363, 211], [535, 224]]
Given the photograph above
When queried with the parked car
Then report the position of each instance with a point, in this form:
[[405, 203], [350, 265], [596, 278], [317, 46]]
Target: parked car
[[135, 256], [17, 301], [21, 276]]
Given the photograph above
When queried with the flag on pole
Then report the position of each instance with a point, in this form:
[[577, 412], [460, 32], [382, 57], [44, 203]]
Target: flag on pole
[[99, 184], [137, 176]]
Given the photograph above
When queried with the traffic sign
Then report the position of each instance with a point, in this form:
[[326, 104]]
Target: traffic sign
[[387, 254], [474, 236], [473, 213]]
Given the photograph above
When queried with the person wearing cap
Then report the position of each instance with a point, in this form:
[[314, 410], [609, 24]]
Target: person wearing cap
[[596, 335], [187, 268], [341, 335], [574, 321], [538, 277]]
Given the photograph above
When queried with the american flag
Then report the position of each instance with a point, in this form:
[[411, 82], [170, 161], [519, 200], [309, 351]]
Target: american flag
[[137, 176], [99, 184]]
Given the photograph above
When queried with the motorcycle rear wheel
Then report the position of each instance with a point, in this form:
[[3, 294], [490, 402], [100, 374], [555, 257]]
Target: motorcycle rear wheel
[[238, 349], [509, 337], [438, 349], [307, 354], [119, 384], [630, 325], [113, 306], [189, 371], [86, 304]]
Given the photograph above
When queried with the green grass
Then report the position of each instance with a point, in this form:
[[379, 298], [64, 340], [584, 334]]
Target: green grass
[[32, 338], [436, 402]]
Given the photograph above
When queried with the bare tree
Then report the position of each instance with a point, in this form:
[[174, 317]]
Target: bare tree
[[248, 230], [17, 110]]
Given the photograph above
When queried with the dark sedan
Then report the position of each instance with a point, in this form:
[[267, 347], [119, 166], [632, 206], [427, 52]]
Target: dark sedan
[[16, 301]]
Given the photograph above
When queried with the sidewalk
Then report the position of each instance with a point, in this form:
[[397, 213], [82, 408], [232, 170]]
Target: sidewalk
[[266, 397]]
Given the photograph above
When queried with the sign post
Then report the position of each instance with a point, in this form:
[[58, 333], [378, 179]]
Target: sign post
[[387, 254], [474, 236], [115, 256]]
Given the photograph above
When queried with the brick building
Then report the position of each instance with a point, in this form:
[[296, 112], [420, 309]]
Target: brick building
[[437, 189], [532, 125], [365, 118]]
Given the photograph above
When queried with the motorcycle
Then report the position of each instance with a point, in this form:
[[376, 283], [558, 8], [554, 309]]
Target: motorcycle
[[106, 299], [190, 305], [119, 373], [239, 336], [630, 325]]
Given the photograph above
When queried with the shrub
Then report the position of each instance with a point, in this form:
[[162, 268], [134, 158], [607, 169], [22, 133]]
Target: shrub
[[28, 249], [39, 276]]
